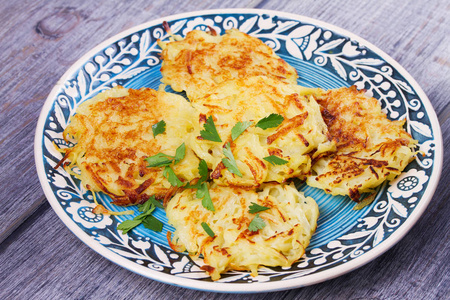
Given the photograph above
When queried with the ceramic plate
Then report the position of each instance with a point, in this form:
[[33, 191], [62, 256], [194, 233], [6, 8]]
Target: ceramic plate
[[325, 56]]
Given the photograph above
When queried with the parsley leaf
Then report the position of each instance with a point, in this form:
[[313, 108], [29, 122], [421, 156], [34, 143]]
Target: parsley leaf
[[171, 177], [271, 121], [162, 160], [151, 201], [275, 160], [203, 193], [127, 225], [207, 229], [159, 160], [230, 162], [146, 206], [254, 208], [239, 128], [180, 153], [210, 133], [203, 170], [145, 214], [159, 128], [145, 218], [256, 224], [152, 223], [155, 202], [195, 186]]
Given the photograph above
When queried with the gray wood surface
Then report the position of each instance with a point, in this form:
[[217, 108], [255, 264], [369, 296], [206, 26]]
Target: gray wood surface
[[39, 40]]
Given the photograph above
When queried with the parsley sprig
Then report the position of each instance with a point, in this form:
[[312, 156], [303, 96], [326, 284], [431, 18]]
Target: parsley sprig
[[163, 160], [145, 218], [159, 128], [180, 153], [239, 128], [203, 193], [202, 186], [159, 160], [275, 160], [271, 121], [256, 224], [255, 208], [170, 175], [203, 172], [210, 132], [229, 161], [207, 229]]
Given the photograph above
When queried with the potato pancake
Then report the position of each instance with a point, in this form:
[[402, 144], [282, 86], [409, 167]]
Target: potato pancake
[[301, 135], [202, 60], [288, 223], [113, 135], [370, 147]]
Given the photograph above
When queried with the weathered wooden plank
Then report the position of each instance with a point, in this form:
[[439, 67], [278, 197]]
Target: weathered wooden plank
[[46, 260]]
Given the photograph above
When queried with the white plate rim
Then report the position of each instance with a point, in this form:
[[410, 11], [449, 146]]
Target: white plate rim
[[254, 287]]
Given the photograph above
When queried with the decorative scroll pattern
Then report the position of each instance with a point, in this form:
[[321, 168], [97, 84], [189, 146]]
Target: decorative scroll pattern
[[353, 62]]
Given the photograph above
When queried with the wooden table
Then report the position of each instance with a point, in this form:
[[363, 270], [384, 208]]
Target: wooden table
[[40, 258]]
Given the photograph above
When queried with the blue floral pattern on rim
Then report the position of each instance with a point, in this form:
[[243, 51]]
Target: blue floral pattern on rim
[[324, 57]]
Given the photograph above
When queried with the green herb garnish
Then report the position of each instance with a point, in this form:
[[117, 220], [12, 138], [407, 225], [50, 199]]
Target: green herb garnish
[[239, 128], [163, 160], [144, 218], [127, 225], [255, 208], [159, 160], [159, 128], [203, 172], [207, 229], [179, 154], [256, 224], [210, 132], [275, 160], [152, 223], [271, 121], [203, 193], [155, 202], [172, 177], [145, 213], [229, 161], [146, 205]]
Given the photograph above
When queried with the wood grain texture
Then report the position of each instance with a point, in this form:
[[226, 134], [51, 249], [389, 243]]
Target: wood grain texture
[[40, 40], [38, 45]]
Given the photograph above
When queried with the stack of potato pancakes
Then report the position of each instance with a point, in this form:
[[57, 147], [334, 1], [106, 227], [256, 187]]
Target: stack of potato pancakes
[[222, 161]]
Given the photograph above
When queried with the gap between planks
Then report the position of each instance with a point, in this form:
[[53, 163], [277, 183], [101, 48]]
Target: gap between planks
[[37, 208]]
